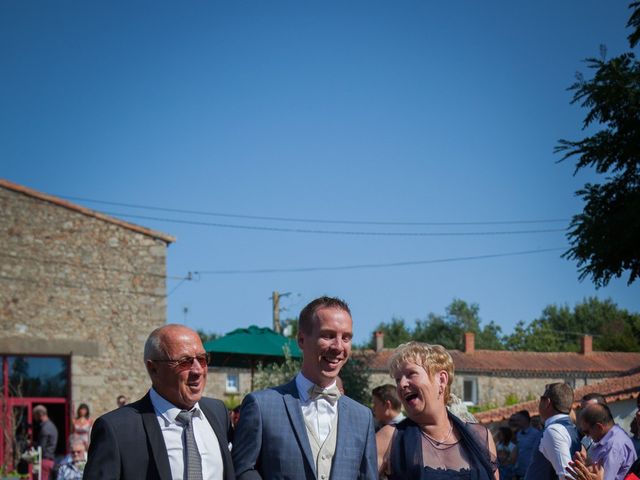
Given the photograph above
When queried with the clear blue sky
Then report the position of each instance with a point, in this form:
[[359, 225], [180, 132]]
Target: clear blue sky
[[411, 111]]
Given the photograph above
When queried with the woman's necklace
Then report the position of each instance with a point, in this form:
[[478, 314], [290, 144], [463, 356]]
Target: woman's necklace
[[437, 443]]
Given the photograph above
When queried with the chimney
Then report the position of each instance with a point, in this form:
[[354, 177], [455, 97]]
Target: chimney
[[469, 342], [378, 340], [586, 348]]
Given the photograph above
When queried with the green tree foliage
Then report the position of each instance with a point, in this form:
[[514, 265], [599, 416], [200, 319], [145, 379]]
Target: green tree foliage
[[446, 330], [557, 329], [206, 336], [355, 378], [560, 329], [605, 237], [275, 374], [395, 333]]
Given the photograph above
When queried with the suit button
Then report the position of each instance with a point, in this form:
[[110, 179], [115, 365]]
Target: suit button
[[323, 477], [324, 457]]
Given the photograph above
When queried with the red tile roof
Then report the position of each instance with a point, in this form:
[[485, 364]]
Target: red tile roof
[[85, 211], [614, 390], [503, 361]]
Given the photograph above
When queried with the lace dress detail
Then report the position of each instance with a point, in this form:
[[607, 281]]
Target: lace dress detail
[[464, 456]]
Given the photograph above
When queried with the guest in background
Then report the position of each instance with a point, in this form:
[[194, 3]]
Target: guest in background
[[527, 437], [613, 448], [560, 438], [506, 452], [47, 439], [81, 426], [387, 408], [73, 467]]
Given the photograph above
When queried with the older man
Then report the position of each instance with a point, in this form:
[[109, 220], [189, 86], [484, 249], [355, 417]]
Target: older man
[[306, 429], [560, 439], [73, 468], [612, 447], [173, 432]]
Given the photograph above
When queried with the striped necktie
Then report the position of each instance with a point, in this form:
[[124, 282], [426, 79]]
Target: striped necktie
[[192, 463]]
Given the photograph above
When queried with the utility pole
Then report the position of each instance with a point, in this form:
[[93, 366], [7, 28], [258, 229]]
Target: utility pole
[[277, 327]]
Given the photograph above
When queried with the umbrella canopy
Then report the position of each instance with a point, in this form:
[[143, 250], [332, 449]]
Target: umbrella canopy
[[245, 347]]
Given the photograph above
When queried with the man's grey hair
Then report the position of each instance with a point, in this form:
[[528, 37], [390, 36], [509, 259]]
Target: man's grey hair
[[154, 347]]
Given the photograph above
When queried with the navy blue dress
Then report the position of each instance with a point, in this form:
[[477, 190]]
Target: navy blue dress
[[406, 455]]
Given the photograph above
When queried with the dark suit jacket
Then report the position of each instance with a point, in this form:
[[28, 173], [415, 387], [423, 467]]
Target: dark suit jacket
[[271, 441], [127, 443]]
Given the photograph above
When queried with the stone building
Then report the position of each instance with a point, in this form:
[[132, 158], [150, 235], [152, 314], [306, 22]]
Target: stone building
[[80, 292], [620, 393], [500, 377]]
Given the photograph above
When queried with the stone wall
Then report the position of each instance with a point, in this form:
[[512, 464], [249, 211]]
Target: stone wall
[[217, 384], [72, 284]]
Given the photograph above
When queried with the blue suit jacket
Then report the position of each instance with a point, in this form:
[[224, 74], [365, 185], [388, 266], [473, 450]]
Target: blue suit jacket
[[271, 440]]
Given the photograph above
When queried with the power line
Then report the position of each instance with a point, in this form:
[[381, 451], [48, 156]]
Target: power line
[[374, 265], [336, 232], [312, 220]]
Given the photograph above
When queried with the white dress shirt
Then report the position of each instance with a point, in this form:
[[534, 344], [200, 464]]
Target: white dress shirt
[[206, 439], [555, 445], [319, 413]]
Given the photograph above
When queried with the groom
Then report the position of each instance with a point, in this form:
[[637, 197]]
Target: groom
[[305, 428]]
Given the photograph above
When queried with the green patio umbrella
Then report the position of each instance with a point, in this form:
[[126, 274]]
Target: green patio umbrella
[[246, 347]]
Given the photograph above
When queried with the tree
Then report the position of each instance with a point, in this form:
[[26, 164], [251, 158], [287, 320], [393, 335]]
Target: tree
[[206, 336], [395, 333], [355, 376], [559, 329], [605, 237], [447, 330]]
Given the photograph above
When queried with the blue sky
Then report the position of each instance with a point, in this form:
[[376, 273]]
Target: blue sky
[[412, 111]]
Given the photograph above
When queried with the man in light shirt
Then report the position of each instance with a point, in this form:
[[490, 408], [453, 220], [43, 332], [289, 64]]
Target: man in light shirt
[[306, 429], [173, 432], [560, 438], [612, 447]]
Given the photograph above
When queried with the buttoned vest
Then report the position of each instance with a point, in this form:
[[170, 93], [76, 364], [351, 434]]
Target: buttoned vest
[[323, 453], [540, 468]]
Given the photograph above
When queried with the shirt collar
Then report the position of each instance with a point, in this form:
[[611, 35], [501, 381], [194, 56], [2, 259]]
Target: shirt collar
[[555, 418], [303, 384], [607, 436], [167, 410]]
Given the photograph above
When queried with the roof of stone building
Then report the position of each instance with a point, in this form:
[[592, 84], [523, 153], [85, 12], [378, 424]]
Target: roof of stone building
[[85, 211], [613, 389], [503, 361]]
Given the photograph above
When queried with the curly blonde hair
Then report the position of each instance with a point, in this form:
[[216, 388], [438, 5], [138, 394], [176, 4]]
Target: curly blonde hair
[[433, 358]]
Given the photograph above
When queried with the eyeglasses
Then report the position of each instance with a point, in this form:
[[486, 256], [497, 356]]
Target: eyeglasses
[[185, 363]]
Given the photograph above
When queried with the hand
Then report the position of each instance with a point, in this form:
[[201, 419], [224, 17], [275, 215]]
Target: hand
[[579, 470]]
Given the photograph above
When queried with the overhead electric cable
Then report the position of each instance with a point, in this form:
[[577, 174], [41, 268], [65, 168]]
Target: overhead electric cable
[[336, 232], [375, 265], [311, 220]]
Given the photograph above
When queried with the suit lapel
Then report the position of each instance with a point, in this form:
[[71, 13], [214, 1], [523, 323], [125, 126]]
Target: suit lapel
[[292, 404], [156, 440], [220, 433], [344, 423]]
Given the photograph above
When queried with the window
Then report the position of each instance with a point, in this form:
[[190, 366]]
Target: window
[[38, 376], [233, 382], [470, 391]]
